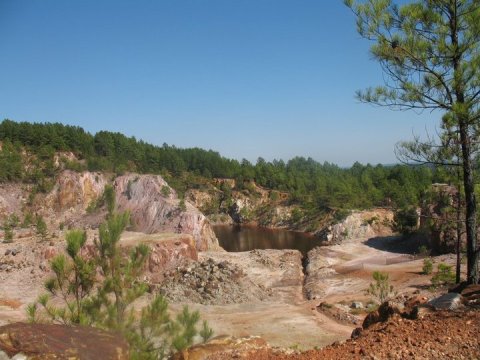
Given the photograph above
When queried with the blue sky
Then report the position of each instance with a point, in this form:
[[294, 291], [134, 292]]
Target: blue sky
[[247, 78]]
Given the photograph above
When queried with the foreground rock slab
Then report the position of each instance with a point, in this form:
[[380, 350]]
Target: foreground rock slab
[[50, 341]]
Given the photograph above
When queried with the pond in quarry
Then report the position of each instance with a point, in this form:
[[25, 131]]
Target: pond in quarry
[[235, 238]]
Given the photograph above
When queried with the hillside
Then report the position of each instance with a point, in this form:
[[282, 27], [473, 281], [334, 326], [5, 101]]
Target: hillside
[[33, 153]]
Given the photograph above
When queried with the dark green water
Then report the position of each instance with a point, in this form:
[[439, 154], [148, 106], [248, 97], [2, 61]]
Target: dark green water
[[235, 238]]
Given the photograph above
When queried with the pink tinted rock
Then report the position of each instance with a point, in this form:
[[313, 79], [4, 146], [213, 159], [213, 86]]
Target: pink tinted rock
[[154, 207]]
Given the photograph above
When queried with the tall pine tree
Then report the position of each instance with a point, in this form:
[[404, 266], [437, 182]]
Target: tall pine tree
[[430, 53]]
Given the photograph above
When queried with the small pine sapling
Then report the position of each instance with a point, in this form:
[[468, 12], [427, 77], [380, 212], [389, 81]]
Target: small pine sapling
[[206, 332], [381, 288]]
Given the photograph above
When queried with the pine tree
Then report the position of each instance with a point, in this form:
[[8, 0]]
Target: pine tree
[[430, 53], [107, 301], [73, 281], [7, 233], [41, 228]]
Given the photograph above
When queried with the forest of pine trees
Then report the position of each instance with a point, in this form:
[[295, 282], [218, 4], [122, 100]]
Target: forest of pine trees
[[311, 184]]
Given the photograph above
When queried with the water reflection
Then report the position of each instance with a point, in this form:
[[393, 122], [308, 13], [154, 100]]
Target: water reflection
[[245, 238]]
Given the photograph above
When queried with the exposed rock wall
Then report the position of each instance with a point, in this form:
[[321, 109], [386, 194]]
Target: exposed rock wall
[[75, 190], [155, 207], [166, 251], [11, 199], [253, 205], [359, 224]]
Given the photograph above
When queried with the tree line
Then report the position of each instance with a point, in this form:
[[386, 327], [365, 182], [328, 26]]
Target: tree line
[[310, 184]]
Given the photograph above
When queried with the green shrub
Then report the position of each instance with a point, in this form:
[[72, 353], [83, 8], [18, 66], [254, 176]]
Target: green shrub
[[371, 306], [340, 215], [182, 206], [92, 207], [13, 220], [371, 221], [381, 288], [27, 219], [7, 234], [357, 311], [326, 305], [297, 215], [211, 207], [405, 220], [73, 165], [423, 251], [444, 275], [41, 228], [165, 191], [427, 266], [274, 195], [205, 332], [245, 214]]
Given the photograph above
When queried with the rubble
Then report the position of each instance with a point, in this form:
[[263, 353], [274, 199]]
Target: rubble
[[211, 283]]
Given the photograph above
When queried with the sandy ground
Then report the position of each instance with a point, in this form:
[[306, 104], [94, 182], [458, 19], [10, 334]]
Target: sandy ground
[[341, 273]]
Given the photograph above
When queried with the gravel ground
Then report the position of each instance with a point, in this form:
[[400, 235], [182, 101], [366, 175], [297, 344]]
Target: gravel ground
[[211, 283], [440, 335]]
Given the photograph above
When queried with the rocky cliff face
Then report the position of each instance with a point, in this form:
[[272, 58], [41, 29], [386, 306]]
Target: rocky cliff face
[[75, 190], [166, 251], [11, 199], [155, 207], [359, 224], [223, 203]]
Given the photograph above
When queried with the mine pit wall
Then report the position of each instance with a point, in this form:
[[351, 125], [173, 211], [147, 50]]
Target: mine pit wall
[[155, 207], [73, 203]]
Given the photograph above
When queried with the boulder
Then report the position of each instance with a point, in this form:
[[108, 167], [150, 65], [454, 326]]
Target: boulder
[[384, 312], [470, 290], [415, 301], [471, 294], [356, 305], [356, 333], [449, 301], [51, 341]]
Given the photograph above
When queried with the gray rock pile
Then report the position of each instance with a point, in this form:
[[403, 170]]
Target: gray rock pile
[[211, 283]]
